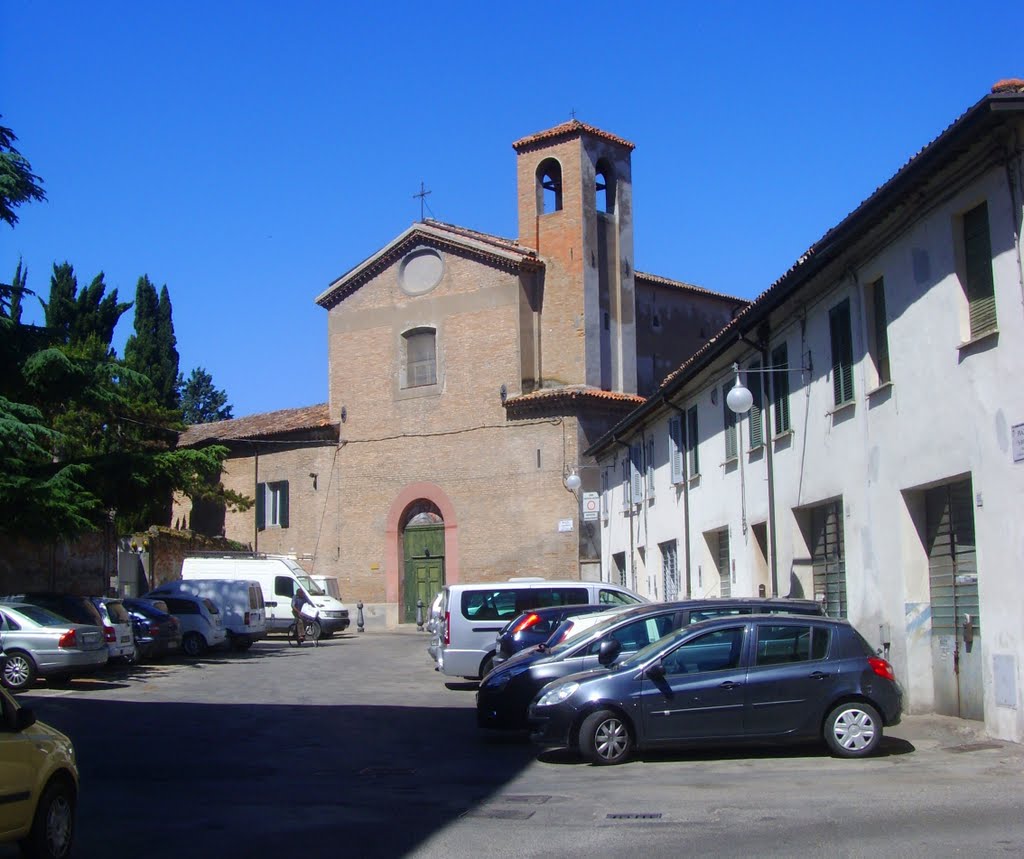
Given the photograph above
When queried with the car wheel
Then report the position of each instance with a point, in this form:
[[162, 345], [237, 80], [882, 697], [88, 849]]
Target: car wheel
[[19, 670], [193, 644], [54, 823], [605, 738], [853, 730], [487, 666]]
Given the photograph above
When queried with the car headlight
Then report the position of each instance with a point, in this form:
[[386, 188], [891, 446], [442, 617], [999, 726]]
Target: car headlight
[[498, 680], [558, 694]]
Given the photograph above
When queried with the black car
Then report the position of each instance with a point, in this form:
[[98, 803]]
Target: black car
[[535, 626], [77, 609], [765, 678], [506, 692], [157, 633]]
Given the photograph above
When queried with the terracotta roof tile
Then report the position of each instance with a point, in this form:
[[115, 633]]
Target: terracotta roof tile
[[572, 128], [574, 392], [688, 287], [258, 426]]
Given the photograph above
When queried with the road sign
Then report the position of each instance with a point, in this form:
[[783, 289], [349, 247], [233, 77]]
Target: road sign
[[591, 506]]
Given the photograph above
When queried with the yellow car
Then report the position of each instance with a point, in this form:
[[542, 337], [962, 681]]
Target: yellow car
[[38, 783]]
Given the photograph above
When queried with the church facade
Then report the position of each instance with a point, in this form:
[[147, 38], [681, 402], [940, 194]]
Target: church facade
[[467, 373]]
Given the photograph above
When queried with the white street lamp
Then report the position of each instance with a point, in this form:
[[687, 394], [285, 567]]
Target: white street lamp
[[572, 481], [739, 399]]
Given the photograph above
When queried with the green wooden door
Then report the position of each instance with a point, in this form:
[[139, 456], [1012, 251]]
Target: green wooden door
[[424, 568]]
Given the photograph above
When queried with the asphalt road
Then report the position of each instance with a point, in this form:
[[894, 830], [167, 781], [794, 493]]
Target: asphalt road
[[358, 748]]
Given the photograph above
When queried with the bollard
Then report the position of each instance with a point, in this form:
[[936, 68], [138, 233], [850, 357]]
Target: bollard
[[419, 615], [360, 625]]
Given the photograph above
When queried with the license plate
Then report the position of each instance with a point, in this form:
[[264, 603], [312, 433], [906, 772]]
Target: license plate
[[125, 639]]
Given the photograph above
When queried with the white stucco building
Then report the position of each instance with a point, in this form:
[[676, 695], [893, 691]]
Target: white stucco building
[[881, 467]]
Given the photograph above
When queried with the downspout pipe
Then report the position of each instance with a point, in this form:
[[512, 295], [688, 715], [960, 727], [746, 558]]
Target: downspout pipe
[[632, 545], [686, 502]]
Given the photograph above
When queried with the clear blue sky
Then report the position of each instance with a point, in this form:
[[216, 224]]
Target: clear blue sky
[[247, 153]]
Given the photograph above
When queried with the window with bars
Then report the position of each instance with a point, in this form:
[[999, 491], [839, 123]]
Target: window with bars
[[670, 570], [780, 388], [841, 339], [979, 285], [420, 357], [878, 337], [729, 419], [692, 443]]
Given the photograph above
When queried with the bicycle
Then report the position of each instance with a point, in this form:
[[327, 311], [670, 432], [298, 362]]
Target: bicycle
[[313, 632]]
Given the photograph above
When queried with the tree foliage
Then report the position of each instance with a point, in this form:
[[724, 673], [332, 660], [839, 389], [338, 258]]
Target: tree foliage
[[153, 349], [79, 317], [18, 184], [201, 401]]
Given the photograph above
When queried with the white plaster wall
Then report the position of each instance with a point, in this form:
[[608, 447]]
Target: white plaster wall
[[948, 413]]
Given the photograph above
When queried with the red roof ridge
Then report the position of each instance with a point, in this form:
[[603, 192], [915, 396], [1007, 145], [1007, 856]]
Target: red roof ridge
[[572, 128]]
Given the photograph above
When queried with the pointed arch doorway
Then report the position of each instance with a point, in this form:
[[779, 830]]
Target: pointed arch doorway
[[422, 535]]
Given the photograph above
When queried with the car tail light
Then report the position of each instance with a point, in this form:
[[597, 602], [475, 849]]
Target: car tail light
[[247, 618], [881, 668], [530, 620], [68, 639], [447, 628], [109, 634]]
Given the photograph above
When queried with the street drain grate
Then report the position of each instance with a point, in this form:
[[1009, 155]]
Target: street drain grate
[[500, 813], [379, 771], [974, 747], [654, 815]]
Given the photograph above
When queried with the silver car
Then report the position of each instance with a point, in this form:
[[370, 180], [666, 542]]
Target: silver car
[[39, 643]]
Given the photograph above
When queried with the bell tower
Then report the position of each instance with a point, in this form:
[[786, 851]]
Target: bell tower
[[576, 209]]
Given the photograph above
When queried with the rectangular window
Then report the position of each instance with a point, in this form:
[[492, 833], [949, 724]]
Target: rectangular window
[[841, 338], [729, 419], [272, 505], [670, 570], [421, 358], [636, 473], [649, 467], [619, 564], [692, 443], [754, 385], [979, 286], [878, 337], [780, 388], [676, 449]]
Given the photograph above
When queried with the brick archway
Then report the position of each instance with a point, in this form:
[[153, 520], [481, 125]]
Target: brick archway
[[392, 535]]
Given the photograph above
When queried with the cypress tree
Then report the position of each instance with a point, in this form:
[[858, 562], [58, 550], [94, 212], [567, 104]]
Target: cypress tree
[[141, 352], [167, 381]]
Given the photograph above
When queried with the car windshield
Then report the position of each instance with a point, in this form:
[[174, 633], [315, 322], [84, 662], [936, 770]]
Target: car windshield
[[312, 588], [646, 653], [42, 616], [576, 636]]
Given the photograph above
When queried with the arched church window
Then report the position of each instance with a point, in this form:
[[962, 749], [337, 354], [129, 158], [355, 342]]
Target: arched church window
[[604, 187], [549, 186]]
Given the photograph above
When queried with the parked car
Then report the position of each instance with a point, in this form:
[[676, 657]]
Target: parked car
[[76, 608], [473, 614], [156, 632], [39, 643], [240, 602], [117, 628], [201, 624], [38, 783], [764, 678], [505, 694], [535, 626]]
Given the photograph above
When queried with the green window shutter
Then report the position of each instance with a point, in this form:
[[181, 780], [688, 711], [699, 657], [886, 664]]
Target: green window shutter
[[881, 331], [756, 410], [283, 515], [261, 506], [842, 352], [780, 388], [636, 459], [676, 449], [980, 289], [729, 419], [692, 442]]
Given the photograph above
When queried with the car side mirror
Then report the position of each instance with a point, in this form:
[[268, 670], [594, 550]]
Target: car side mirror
[[609, 650], [656, 671], [26, 718]]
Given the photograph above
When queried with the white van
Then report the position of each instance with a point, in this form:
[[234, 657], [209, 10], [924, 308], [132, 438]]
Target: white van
[[329, 585], [472, 616], [279, 578], [240, 602]]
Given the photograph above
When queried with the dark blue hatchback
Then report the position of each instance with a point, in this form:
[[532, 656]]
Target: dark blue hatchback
[[762, 678]]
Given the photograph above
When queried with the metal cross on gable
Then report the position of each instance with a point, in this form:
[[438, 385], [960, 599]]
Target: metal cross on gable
[[422, 195]]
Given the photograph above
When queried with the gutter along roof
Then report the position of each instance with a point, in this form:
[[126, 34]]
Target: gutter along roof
[[985, 115]]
